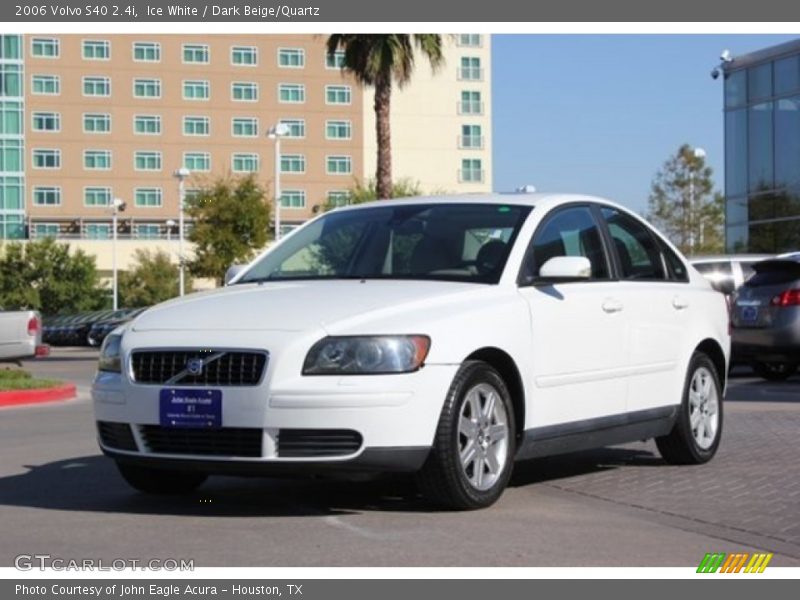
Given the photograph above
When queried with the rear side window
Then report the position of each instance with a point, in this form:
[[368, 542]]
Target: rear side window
[[639, 255], [774, 272], [567, 232], [677, 268]]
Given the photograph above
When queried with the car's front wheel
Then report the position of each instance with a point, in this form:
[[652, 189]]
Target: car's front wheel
[[160, 481], [473, 451], [695, 437], [774, 371]]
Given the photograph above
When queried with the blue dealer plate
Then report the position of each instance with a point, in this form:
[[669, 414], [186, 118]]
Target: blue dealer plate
[[749, 313], [196, 408]]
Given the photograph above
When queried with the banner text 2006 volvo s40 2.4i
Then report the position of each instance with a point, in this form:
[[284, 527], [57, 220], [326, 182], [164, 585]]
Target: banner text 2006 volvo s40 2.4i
[[444, 336]]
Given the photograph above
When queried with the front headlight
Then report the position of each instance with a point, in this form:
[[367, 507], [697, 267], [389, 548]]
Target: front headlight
[[367, 355], [110, 358]]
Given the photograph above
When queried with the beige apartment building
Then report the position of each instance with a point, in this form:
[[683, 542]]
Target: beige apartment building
[[85, 119]]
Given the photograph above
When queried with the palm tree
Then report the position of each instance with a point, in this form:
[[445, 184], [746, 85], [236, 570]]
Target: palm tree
[[378, 60]]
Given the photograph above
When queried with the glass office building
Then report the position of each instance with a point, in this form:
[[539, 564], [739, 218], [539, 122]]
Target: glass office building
[[762, 150]]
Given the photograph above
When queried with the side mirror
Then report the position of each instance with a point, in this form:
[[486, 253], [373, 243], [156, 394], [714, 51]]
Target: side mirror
[[560, 269], [232, 272]]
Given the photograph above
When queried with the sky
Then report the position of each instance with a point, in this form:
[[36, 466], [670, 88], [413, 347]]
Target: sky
[[599, 114]]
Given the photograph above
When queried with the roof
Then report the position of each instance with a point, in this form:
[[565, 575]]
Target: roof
[[515, 198], [763, 55]]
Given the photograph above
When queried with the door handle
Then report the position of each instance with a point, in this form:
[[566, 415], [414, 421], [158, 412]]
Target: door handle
[[679, 303], [612, 305]]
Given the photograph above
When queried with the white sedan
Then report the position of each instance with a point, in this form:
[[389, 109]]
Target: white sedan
[[447, 336]]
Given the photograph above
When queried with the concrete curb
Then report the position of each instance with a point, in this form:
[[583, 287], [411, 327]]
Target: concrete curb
[[21, 397]]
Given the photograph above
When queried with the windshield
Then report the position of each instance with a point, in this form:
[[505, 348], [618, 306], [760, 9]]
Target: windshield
[[452, 242]]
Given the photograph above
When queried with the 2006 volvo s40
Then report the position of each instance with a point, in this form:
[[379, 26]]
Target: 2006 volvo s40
[[444, 336]]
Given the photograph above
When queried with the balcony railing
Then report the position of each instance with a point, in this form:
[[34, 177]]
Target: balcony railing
[[470, 175], [472, 142], [470, 74], [470, 108]]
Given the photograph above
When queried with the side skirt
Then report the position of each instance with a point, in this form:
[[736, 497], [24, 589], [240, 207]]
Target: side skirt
[[596, 433]]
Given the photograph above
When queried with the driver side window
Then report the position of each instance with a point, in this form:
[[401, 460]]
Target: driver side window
[[567, 232]]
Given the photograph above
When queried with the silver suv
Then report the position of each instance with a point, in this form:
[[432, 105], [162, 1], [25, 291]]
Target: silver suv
[[727, 273], [766, 319]]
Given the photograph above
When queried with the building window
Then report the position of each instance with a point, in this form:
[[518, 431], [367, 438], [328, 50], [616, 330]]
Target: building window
[[292, 93], [293, 163], [96, 86], [470, 69], [470, 103], [244, 163], [244, 127], [244, 91], [337, 94], [146, 52], [10, 117], [147, 231], [470, 137], [45, 47], [46, 85], [196, 126], [335, 60], [197, 161], [296, 128], [46, 196], [147, 124], [10, 194], [10, 80], [97, 160], [196, 53], [293, 199], [11, 157], [147, 160], [338, 197], [146, 88], [10, 47], [469, 40], [46, 230], [338, 130], [96, 123], [196, 90], [46, 121], [97, 196], [96, 49], [44, 158], [97, 231], [291, 58], [147, 197], [246, 56], [471, 171], [760, 147], [338, 165]]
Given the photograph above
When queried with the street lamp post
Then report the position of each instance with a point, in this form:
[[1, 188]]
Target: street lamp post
[[117, 206], [181, 175], [276, 133], [698, 153]]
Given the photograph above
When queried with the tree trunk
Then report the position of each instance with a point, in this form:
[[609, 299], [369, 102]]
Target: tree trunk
[[383, 101]]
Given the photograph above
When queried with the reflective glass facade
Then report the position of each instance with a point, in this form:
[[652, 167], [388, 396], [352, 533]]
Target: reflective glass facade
[[12, 146], [762, 151]]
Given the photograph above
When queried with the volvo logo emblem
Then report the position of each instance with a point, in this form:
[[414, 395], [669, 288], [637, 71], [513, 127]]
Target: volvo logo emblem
[[194, 366]]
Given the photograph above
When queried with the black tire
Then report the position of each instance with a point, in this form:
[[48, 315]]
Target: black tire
[[160, 481], [774, 371], [679, 446], [442, 479]]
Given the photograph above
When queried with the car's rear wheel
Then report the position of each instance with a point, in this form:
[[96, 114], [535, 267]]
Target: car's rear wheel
[[473, 451], [160, 481], [775, 371], [695, 437]]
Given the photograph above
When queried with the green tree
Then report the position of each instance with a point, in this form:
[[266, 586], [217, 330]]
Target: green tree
[[44, 275], [683, 204], [379, 61], [152, 278], [231, 219], [360, 192]]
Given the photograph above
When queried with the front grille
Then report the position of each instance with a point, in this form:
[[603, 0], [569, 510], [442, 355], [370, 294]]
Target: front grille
[[227, 441], [303, 443], [234, 368], [116, 435]]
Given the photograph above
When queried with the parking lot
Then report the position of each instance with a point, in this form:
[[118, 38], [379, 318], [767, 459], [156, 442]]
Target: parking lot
[[619, 506]]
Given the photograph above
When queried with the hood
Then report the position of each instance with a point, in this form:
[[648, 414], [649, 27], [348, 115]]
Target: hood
[[290, 306]]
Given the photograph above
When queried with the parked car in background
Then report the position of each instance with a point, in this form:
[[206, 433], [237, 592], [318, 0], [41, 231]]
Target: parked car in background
[[766, 319], [100, 329], [727, 273], [21, 335], [443, 336]]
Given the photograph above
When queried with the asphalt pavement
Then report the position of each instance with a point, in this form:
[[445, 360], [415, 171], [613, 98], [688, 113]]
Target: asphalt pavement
[[620, 506]]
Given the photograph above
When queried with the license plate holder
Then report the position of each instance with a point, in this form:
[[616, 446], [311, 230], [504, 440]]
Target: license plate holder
[[190, 408]]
